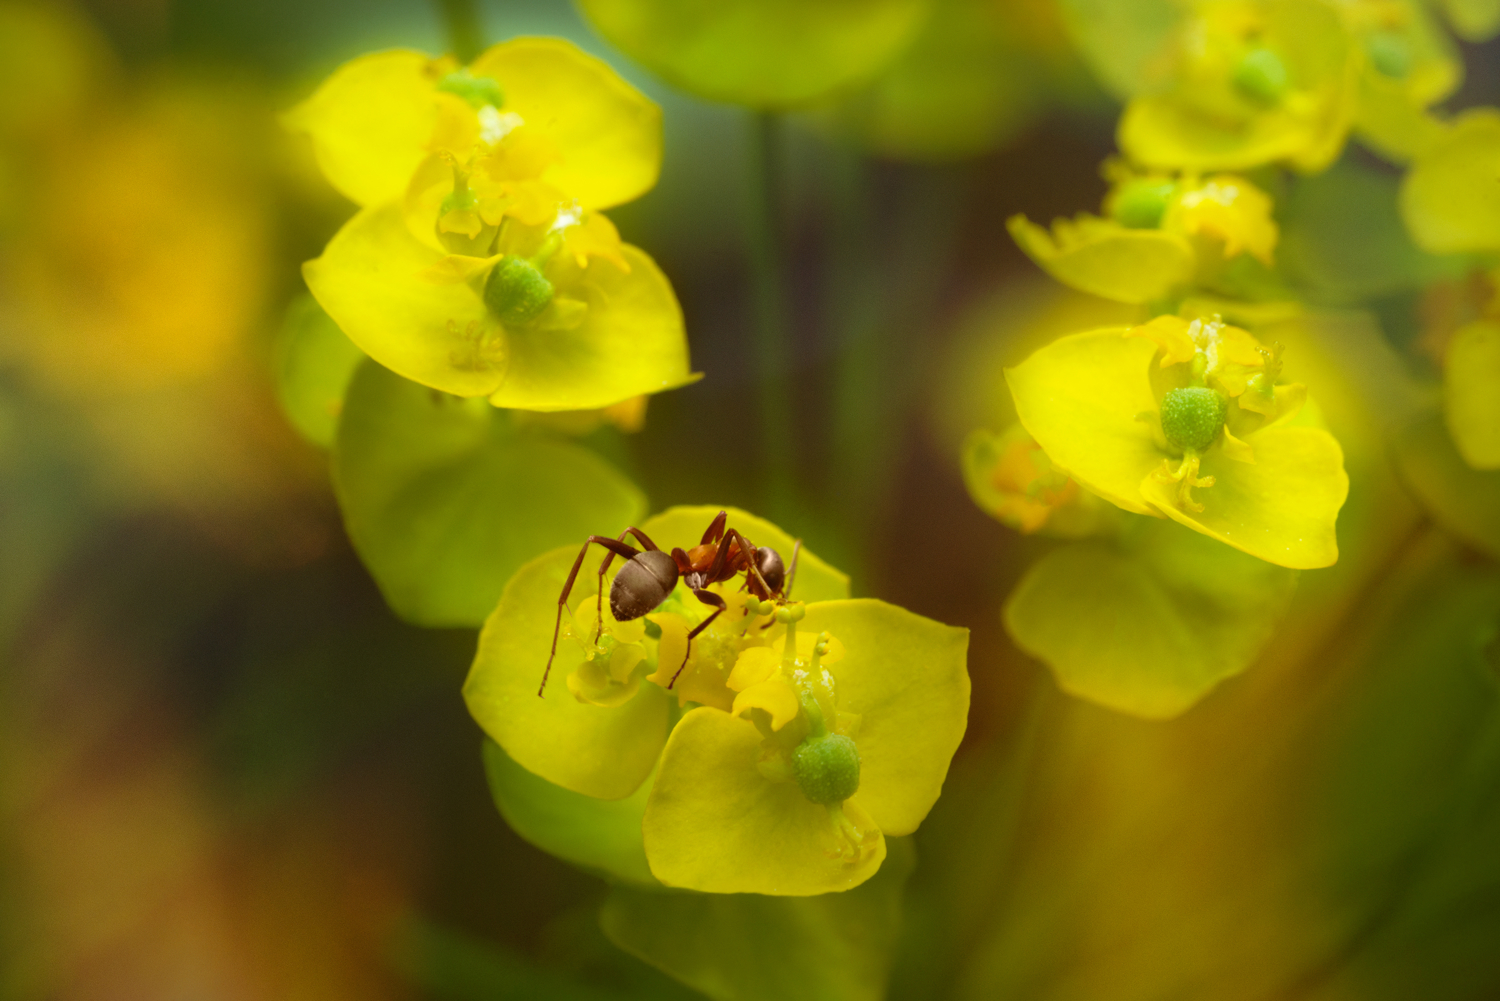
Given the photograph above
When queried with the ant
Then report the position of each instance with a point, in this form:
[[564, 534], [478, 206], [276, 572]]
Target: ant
[[649, 576]]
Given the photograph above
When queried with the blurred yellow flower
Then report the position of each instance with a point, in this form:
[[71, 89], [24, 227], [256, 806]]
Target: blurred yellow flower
[[1249, 82]]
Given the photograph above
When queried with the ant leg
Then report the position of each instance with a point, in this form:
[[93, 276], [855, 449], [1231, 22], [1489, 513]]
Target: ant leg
[[749, 552], [708, 598], [646, 544], [614, 546], [715, 529]]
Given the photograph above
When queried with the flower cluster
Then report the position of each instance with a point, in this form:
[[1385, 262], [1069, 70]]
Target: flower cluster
[[785, 744], [480, 263]]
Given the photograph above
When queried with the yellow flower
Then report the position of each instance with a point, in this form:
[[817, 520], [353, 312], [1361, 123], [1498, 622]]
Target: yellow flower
[[1249, 82], [1145, 416], [376, 120], [1012, 479], [1450, 199], [602, 723], [1471, 393], [840, 733], [1162, 234], [559, 317], [1410, 64]]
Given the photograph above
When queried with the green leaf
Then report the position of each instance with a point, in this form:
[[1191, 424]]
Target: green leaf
[[314, 363], [1465, 502], [761, 53], [1343, 241], [445, 498], [1150, 626], [746, 947], [601, 835]]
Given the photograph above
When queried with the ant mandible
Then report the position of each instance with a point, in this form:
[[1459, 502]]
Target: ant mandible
[[649, 576]]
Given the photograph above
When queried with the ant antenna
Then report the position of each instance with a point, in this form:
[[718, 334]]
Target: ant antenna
[[791, 574]]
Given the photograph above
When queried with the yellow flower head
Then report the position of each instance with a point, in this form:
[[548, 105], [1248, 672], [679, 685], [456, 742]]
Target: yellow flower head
[[1185, 420], [810, 731], [1249, 82], [1160, 234], [840, 733], [532, 109], [558, 316], [1013, 480]]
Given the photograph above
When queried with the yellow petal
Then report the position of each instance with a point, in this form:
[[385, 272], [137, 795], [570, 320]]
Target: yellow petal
[[1105, 259], [906, 677], [1282, 508], [1079, 397], [601, 751], [452, 269], [369, 280], [630, 341], [606, 133], [1171, 335], [715, 824], [370, 123], [1450, 198], [1471, 393], [775, 696]]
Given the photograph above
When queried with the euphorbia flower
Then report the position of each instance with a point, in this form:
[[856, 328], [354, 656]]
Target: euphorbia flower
[[480, 265], [379, 117], [1185, 420], [798, 750], [1013, 480], [556, 317], [840, 732], [1160, 234], [1249, 82]]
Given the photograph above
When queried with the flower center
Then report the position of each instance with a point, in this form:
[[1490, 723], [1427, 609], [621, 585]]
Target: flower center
[[826, 768], [1191, 417], [1261, 76], [1141, 203], [478, 91], [516, 291]]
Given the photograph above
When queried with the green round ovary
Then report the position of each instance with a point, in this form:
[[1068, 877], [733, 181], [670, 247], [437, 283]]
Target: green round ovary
[[1191, 417], [827, 768], [517, 291]]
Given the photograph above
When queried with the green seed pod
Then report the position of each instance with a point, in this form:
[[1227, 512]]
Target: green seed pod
[[477, 90], [827, 768], [1191, 417], [1141, 203], [1389, 53], [1261, 75], [517, 291]]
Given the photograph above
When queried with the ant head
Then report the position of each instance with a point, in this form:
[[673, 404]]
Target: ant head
[[772, 570]]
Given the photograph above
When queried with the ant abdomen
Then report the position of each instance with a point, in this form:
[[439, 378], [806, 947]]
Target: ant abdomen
[[644, 582]]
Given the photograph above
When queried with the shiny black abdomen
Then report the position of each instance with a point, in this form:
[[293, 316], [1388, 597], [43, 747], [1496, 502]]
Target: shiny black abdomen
[[642, 583]]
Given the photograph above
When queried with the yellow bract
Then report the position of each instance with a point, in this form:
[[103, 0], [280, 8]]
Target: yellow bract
[[1250, 82], [608, 334], [1013, 480], [726, 815], [1105, 259], [1163, 235], [378, 117], [1450, 199], [1268, 484], [1471, 393]]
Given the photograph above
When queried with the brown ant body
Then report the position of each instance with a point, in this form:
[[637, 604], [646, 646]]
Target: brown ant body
[[650, 575]]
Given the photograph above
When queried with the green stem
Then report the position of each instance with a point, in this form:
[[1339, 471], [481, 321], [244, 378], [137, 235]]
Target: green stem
[[465, 33], [772, 339]]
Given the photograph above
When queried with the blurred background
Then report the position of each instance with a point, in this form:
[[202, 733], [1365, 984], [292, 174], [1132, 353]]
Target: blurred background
[[227, 771]]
